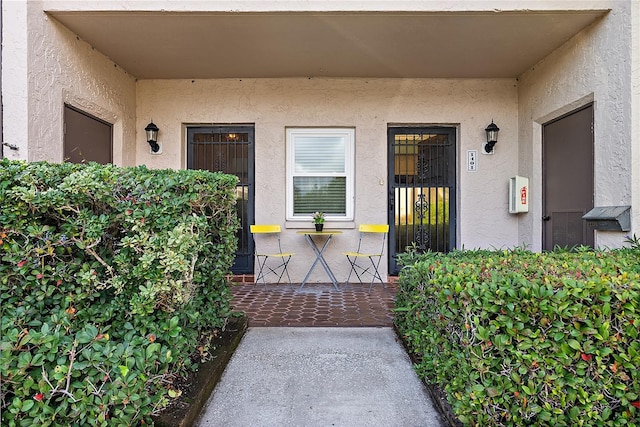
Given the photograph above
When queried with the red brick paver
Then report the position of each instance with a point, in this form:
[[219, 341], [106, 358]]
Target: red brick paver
[[314, 305]]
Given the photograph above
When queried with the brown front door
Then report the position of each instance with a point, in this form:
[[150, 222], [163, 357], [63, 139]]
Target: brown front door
[[567, 162], [86, 138]]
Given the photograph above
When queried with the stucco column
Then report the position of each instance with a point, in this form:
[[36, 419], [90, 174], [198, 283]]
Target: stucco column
[[15, 82]]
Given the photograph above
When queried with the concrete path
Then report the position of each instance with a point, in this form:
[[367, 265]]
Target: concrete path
[[346, 377]]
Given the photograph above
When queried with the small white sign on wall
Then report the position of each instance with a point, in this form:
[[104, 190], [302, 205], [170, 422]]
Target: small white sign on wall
[[472, 160]]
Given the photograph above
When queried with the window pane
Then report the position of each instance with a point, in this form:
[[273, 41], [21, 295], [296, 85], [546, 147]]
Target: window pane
[[319, 154], [326, 194]]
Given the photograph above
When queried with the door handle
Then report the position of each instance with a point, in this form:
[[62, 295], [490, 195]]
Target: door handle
[[546, 218]]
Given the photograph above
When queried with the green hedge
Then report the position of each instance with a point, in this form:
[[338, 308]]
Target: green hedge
[[519, 338], [112, 285]]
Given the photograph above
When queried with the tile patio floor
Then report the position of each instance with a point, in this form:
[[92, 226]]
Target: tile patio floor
[[315, 304]]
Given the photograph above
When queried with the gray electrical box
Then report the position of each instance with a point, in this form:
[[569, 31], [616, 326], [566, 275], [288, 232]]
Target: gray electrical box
[[609, 218]]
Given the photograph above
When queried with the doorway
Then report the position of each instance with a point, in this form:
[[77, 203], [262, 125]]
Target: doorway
[[86, 138], [229, 149], [422, 190], [567, 179]]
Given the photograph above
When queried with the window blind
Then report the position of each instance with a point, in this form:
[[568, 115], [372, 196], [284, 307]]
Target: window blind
[[319, 155]]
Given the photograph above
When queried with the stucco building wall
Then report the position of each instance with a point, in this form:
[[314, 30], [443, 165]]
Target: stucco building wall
[[60, 68], [594, 66], [635, 117], [14, 79], [45, 66], [367, 105]]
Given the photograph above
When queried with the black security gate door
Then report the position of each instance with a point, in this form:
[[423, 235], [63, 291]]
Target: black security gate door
[[422, 190], [229, 149]]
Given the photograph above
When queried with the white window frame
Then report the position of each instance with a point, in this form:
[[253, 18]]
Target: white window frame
[[348, 135]]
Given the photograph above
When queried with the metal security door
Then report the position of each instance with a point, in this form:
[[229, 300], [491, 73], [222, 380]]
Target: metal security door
[[422, 190], [567, 175], [229, 149]]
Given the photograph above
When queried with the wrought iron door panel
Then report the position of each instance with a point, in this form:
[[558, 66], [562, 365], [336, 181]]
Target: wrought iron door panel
[[229, 149], [421, 190]]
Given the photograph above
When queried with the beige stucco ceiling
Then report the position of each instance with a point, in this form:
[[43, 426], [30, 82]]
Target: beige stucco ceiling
[[175, 45]]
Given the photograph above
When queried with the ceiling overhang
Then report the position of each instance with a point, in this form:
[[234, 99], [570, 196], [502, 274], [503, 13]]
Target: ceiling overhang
[[203, 45]]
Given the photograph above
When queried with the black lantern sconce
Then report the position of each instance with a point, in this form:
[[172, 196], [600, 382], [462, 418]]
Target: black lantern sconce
[[492, 137], [152, 136]]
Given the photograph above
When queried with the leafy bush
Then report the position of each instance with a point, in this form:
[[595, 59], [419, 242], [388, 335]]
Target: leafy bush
[[519, 338], [112, 280]]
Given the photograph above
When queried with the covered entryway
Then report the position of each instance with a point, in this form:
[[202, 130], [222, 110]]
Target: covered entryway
[[86, 138], [567, 162], [422, 190], [229, 149]]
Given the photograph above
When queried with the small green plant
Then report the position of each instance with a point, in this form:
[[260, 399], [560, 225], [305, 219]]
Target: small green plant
[[633, 241], [318, 217]]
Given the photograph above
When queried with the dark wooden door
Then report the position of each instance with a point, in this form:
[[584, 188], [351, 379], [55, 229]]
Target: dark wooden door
[[422, 190], [229, 149], [567, 161], [86, 138]]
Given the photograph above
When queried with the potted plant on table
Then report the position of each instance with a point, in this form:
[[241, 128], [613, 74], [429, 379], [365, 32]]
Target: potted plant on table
[[318, 220]]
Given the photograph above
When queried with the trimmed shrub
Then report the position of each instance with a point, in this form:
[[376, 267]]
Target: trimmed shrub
[[112, 285], [519, 338]]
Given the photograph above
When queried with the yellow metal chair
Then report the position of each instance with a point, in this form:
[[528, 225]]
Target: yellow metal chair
[[370, 235], [279, 267]]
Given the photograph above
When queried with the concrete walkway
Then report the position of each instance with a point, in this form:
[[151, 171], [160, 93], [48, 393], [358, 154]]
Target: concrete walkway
[[347, 377]]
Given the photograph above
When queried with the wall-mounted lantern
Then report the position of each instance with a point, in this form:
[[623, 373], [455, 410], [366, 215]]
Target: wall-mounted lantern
[[152, 136], [492, 137]]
